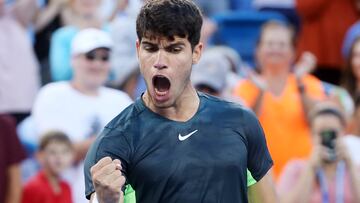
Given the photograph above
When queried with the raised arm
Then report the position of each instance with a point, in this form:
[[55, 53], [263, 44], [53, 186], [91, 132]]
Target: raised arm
[[108, 181]]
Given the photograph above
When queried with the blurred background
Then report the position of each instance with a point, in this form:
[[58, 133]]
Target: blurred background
[[67, 67]]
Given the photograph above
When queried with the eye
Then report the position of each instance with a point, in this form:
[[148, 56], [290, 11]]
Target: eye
[[150, 48], [175, 49]]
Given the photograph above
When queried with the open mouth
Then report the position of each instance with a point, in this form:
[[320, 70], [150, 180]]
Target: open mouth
[[161, 84]]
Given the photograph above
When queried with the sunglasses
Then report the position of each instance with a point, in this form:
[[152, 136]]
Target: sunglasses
[[91, 56]]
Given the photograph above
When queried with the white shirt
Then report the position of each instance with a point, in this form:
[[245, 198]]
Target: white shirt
[[59, 106], [353, 144]]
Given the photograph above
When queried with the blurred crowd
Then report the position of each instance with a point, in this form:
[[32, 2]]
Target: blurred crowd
[[67, 67]]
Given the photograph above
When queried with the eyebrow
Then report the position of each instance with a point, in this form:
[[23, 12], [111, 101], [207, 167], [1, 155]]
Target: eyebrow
[[170, 45]]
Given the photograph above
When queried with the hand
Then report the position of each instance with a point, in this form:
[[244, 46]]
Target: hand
[[305, 65], [59, 3], [108, 180], [316, 157], [255, 78], [342, 152]]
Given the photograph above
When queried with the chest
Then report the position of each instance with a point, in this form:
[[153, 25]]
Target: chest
[[187, 153]]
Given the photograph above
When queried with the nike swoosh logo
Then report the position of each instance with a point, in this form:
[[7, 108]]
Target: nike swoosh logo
[[182, 138]]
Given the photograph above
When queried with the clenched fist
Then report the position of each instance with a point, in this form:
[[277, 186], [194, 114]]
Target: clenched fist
[[108, 180]]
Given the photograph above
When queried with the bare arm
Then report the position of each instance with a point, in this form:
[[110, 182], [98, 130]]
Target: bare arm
[[263, 191], [14, 184], [46, 15], [108, 181], [304, 66]]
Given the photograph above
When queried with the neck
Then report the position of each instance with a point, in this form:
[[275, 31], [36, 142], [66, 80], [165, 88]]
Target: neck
[[53, 180], [89, 91], [184, 108], [276, 79]]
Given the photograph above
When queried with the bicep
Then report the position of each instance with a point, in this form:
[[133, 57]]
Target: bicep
[[263, 191]]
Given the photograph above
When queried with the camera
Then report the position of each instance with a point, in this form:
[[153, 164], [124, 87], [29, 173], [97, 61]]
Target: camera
[[328, 138]]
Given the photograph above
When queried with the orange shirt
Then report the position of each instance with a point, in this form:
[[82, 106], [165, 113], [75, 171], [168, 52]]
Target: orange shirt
[[283, 118]]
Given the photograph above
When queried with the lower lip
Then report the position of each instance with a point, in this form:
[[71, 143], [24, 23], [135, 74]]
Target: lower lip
[[161, 96]]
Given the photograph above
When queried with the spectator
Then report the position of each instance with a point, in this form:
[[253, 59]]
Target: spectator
[[54, 14], [11, 154], [353, 140], [213, 74], [329, 175], [281, 99], [55, 155], [322, 33], [60, 46], [19, 80], [81, 107], [284, 7], [351, 76]]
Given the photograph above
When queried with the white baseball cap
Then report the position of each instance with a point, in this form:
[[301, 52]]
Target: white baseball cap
[[89, 39]]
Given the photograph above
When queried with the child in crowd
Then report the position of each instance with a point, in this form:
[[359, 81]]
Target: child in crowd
[[55, 155]]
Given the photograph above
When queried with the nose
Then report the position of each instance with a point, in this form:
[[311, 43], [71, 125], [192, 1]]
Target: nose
[[160, 60]]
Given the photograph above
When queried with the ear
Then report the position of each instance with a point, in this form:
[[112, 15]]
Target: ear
[[196, 55], [137, 47]]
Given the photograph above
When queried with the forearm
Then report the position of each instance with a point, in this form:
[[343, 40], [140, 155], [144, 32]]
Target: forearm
[[302, 190], [306, 102], [46, 16], [94, 199], [256, 107], [13, 184]]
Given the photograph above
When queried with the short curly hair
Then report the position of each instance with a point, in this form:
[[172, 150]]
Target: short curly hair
[[170, 18]]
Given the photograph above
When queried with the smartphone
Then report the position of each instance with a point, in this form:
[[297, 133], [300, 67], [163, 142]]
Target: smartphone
[[328, 138]]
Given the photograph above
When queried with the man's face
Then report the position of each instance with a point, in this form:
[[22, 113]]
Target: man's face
[[92, 69], [56, 157], [275, 49], [166, 66]]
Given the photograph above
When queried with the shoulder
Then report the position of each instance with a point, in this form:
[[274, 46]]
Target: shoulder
[[232, 110], [34, 185], [54, 88]]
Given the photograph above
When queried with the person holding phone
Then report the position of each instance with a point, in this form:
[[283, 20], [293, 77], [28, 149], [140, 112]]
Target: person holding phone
[[329, 175]]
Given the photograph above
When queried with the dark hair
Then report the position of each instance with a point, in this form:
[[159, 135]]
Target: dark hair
[[348, 79], [328, 111], [54, 136], [277, 24], [170, 18]]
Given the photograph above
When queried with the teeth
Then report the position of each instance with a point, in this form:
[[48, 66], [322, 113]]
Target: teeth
[[161, 93]]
